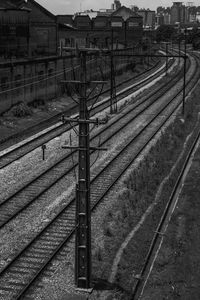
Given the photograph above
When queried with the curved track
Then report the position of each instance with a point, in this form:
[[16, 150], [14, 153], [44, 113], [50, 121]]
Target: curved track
[[18, 278], [23, 149], [160, 230], [33, 190]]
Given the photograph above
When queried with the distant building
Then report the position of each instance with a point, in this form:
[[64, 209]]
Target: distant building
[[127, 27], [167, 18], [159, 19], [43, 29], [91, 13], [178, 13], [149, 17], [102, 12], [65, 19], [14, 29], [126, 13], [105, 12], [191, 13]]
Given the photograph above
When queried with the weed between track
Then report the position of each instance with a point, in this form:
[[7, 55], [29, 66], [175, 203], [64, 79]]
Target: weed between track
[[20, 110], [139, 192]]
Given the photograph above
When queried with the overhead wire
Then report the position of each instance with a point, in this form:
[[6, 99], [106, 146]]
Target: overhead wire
[[45, 74], [30, 84], [33, 77], [57, 74]]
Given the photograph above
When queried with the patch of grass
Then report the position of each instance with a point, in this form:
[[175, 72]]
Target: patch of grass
[[140, 188]]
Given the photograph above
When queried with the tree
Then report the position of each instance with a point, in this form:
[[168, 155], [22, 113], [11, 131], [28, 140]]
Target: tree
[[160, 9], [165, 33]]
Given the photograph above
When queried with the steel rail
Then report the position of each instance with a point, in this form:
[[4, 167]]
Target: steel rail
[[22, 199], [166, 214], [54, 120], [108, 188], [122, 153]]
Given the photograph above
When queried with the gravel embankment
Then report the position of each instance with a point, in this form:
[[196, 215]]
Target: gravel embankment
[[19, 231]]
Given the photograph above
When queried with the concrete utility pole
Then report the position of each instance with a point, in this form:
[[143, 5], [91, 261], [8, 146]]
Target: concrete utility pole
[[83, 218], [83, 209], [83, 214]]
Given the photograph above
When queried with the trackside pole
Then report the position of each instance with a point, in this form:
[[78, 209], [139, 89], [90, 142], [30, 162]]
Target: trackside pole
[[83, 217]]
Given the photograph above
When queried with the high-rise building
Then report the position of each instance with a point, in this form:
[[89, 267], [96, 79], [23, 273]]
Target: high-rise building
[[149, 17], [190, 13], [167, 18], [178, 13], [159, 19]]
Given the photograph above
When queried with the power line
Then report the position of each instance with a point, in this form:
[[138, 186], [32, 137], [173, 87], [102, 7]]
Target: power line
[[38, 81], [33, 77], [29, 84]]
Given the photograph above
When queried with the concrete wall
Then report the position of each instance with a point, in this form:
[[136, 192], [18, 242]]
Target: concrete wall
[[27, 82], [14, 32], [40, 80]]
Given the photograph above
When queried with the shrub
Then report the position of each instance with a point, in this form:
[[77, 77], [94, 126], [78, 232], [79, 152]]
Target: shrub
[[21, 110]]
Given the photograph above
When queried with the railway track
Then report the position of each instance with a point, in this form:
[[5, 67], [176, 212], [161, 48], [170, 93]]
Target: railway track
[[163, 223], [25, 148], [33, 190], [19, 277]]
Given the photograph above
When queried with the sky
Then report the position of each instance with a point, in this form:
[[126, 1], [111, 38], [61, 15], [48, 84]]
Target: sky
[[72, 6]]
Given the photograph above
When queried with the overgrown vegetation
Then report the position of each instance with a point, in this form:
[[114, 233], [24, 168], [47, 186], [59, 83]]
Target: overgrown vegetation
[[20, 110], [140, 189], [165, 33]]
